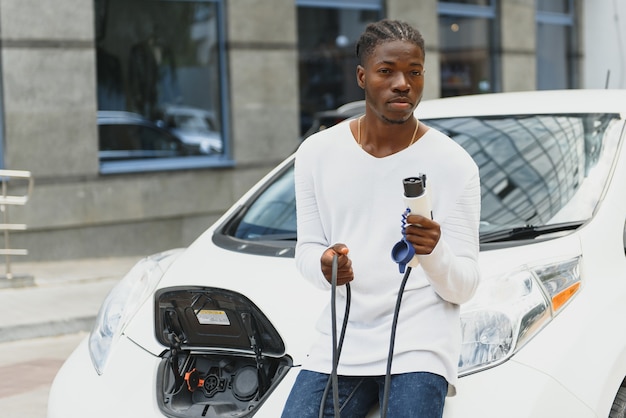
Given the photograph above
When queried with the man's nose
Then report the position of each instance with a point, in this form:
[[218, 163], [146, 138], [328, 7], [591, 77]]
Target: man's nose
[[401, 82]]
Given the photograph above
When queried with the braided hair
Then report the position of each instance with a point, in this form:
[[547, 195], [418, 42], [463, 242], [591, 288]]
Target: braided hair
[[383, 31]]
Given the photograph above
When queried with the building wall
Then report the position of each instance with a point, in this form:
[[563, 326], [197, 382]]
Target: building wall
[[48, 79], [423, 15], [517, 38], [263, 79]]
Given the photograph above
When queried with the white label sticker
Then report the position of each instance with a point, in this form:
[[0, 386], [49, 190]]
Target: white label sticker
[[211, 317]]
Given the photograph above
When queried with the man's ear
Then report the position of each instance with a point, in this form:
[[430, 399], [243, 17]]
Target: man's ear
[[360, 76]]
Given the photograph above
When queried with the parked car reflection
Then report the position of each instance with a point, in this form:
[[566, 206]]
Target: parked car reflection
[[130, 136], [197, 127]]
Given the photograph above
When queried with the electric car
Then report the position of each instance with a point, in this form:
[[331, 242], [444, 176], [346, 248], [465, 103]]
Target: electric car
[[219, 329]]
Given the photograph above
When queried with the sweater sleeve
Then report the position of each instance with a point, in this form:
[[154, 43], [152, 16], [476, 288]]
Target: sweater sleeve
[[452, 267], [312, 241]]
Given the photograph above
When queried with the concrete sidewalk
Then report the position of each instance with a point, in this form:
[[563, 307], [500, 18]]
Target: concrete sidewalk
[[61, 297]]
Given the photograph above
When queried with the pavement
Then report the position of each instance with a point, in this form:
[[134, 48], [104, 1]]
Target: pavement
[[44, 299]]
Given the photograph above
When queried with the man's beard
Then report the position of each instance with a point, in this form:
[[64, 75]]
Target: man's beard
[[397, 121]]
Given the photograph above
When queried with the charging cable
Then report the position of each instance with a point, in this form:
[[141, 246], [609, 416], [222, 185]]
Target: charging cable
[[392, 341], [417, 200], [333, 378]]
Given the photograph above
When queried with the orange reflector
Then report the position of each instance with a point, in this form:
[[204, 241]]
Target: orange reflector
[[562, 297]]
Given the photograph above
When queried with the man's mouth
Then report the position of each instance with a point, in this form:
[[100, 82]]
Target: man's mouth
[[400, 100], [400, 104]]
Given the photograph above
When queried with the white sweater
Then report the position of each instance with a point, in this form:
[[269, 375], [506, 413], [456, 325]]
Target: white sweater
[[345, 195]]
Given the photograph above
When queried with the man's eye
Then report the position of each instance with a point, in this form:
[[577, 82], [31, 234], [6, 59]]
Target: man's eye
[[418, 73]]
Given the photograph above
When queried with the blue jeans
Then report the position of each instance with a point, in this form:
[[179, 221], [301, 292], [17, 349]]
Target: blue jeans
[[411, 395]]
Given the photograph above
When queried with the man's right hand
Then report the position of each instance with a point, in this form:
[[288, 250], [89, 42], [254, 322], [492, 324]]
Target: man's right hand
[[344, 264]]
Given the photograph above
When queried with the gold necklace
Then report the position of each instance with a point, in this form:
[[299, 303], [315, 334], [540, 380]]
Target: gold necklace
[[358, 132]]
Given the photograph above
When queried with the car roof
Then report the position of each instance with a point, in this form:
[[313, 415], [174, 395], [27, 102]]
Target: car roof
[[352, 107], [121, 115], [186, 110], [530, 102]]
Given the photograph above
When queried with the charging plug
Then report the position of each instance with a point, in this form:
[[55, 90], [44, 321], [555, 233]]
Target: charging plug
[[417, 200]]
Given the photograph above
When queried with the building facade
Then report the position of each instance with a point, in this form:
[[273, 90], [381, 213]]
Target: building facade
[[142, 121]]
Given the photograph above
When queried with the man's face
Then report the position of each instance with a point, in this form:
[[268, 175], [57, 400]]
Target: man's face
[[393, 80]]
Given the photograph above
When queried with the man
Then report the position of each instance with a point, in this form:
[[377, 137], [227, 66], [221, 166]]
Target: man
[[349, 199]]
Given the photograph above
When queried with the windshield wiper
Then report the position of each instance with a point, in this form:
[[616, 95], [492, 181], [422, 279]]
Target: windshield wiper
[[289, 236], [528, 232]]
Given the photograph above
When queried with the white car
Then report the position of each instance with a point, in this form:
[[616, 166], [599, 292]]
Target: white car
[[220, 328], [193, 126]]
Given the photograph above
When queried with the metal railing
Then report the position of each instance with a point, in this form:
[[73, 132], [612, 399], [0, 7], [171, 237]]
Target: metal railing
[[16, 189]]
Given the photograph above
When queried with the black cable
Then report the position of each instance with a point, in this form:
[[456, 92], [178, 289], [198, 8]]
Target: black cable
[[333, 378], [392, 340], [333, 308]]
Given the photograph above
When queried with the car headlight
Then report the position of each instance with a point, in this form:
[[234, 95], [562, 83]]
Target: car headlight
[[121, 304], [508, 311]]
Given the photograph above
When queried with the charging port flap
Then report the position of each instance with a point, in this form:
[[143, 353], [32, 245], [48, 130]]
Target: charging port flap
[[224, 358], [212, 318]]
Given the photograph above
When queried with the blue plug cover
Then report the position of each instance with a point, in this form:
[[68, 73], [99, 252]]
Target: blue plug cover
[[402, 253]]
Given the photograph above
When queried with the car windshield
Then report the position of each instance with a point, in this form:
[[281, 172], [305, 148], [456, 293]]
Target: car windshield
[[536, 170]]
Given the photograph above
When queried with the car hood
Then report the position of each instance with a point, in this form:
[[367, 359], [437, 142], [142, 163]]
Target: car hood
[[290, 303], [272, 284]]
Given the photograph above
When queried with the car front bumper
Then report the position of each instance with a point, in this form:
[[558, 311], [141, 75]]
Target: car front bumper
[[513, 390], [128, 388]]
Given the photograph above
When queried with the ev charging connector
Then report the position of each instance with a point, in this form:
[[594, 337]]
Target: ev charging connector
[[417, 201]]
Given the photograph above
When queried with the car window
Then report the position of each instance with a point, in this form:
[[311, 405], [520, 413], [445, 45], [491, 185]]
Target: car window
[[151, 139], [118, 137], [132, 141]]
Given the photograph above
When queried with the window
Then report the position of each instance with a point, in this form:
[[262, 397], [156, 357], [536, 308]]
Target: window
[[327, 36], [160, 83], [555, 45], [554, 6], [466, 37], [473, 2]]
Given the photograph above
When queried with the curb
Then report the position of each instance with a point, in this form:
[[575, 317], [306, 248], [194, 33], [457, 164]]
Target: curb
[[16, 282], [50, 299], [46, 329]]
